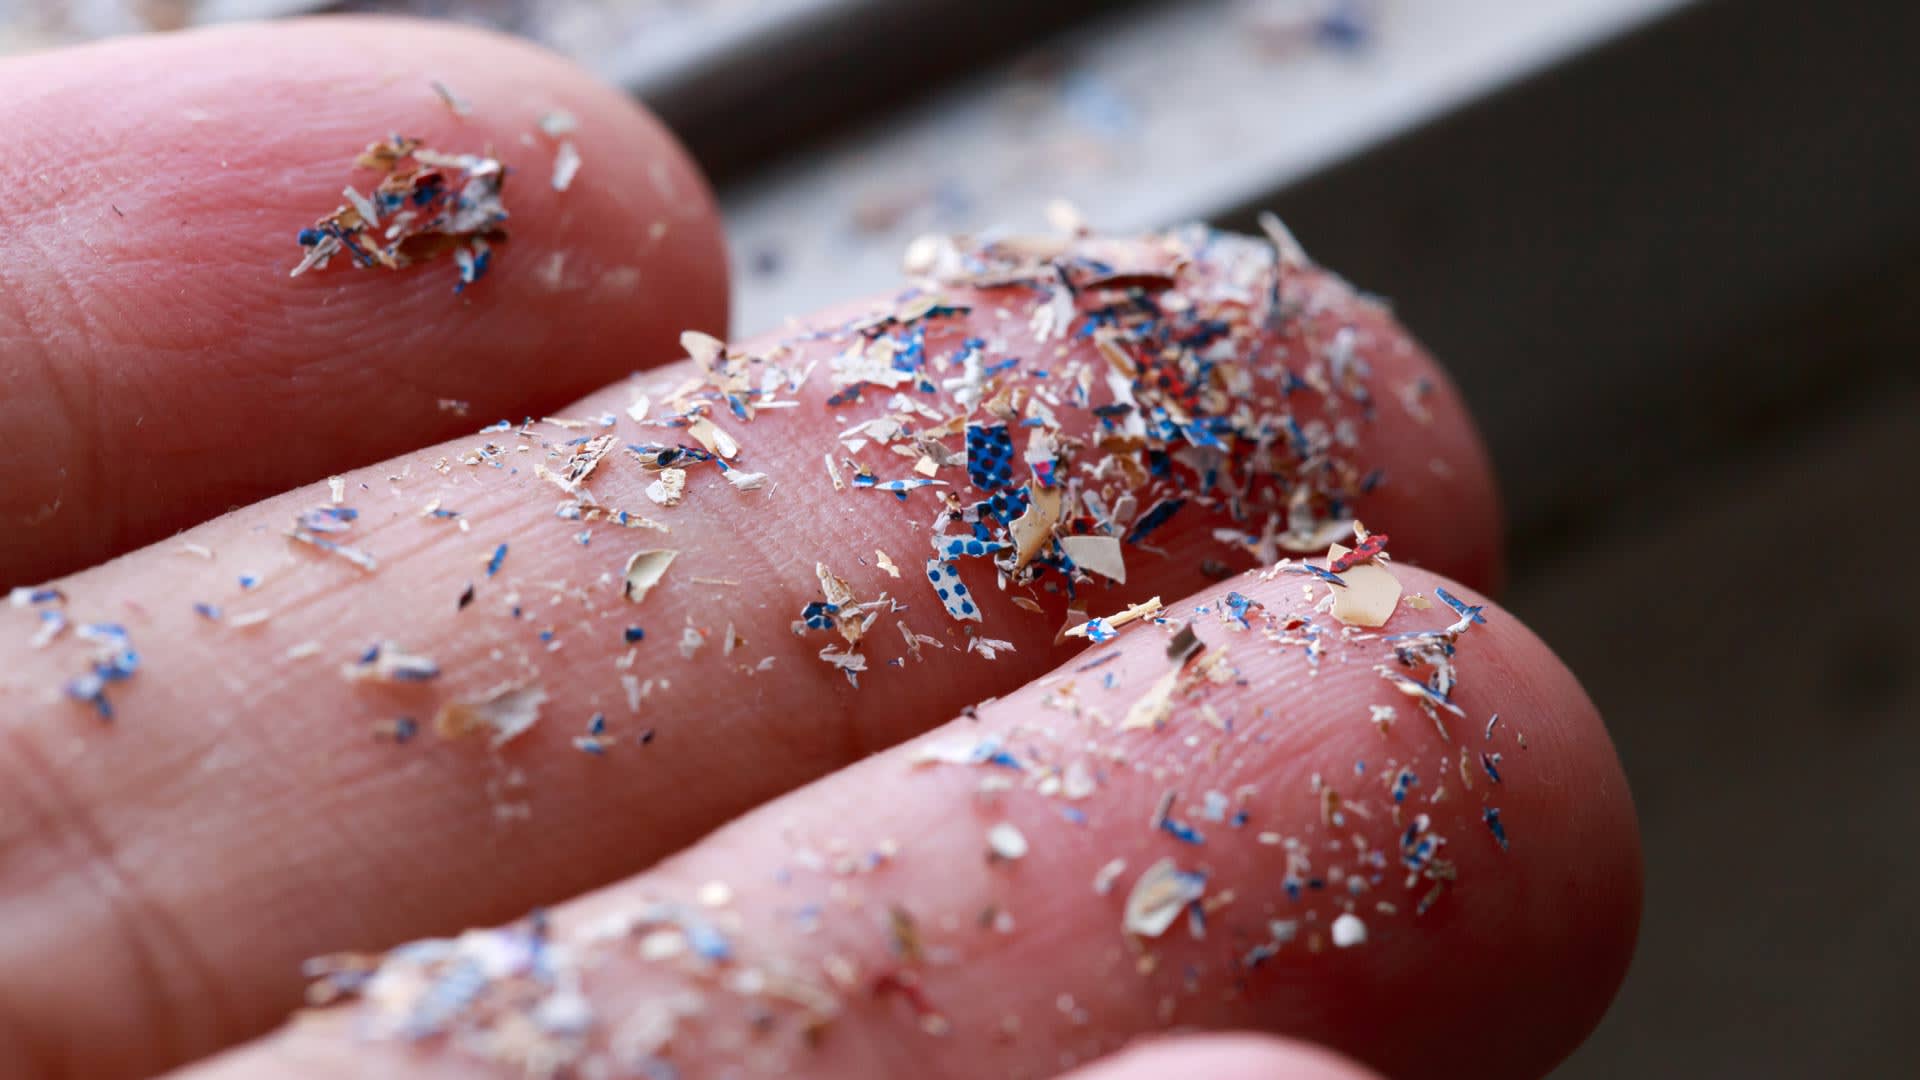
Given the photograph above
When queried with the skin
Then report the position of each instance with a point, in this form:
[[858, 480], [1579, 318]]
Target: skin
[[162, 879], [1224, 1058]]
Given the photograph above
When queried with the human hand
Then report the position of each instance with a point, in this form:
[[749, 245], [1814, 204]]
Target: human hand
[[839, 905]]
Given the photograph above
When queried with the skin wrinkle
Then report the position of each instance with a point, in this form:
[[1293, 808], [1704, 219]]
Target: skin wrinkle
[[349, 853], [66, 319], [30, 492], [157, 945], [76, 390]]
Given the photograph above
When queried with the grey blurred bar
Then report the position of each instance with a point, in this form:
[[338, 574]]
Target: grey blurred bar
[[743, 95]]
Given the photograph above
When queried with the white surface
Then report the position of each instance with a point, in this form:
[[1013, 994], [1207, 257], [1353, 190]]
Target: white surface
[[1168, 115]]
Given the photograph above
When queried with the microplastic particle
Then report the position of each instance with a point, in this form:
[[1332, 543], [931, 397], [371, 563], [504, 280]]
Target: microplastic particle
[[1158, 897], [566, 165], [644, 570], [1348, 930], [1006, 841], [506, 712], [1492, 817]]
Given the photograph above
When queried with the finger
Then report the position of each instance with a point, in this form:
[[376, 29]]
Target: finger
[[161, 366], [1224, 1057], [1214, 1057], [1010, 911], [245, 814]]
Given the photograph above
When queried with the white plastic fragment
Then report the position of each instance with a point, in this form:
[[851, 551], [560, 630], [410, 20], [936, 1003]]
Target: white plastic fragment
[[1289, 249], [668, 487], [1153, 708], [1370, 595], [1006, 841], [1031, 530], [1304, 538], [1101, 629], [507, 711], [387, 662], [362, 206], [692, 639], [564, 1012], [1349, 931], [645, 569], [958, 751], [566, 165], [704, 349], [710, 435], [1098, 555], [1158, 898], [1077, 782]]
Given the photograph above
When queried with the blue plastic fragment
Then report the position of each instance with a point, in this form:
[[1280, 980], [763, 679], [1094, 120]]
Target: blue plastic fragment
[[1182, 832], [1491, 815], [1157, 515], [989, 456], [1469, 612]]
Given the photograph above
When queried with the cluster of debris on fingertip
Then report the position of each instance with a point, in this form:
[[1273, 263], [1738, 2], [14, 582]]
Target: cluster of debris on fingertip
[[427, 203]]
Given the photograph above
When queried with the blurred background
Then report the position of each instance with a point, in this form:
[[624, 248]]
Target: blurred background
[[1669, 248]]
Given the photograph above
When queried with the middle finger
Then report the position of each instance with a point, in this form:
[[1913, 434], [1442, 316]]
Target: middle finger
[[1054, 878]]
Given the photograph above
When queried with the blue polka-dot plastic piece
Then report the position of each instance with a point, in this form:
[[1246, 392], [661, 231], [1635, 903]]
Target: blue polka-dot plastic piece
[[989, 456], [819, 614], [963, 547], [1002, 506], [945, 577]]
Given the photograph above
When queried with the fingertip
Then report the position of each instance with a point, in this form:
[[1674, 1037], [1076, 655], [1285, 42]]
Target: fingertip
[[1224, 1057], [1578, 916], [1540, 927]]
